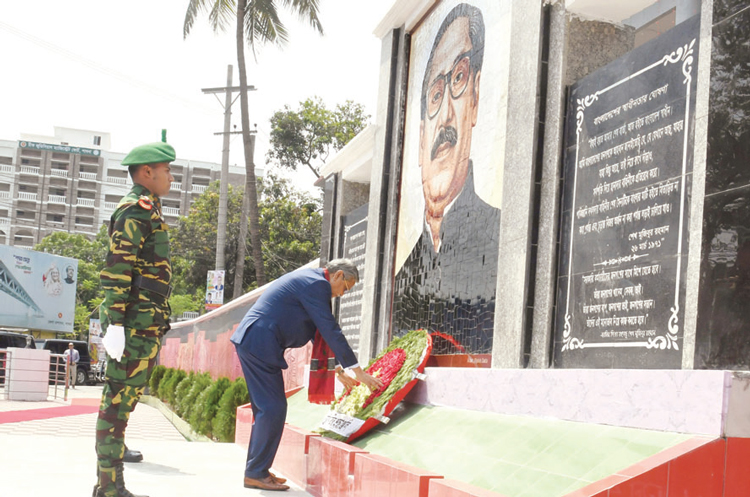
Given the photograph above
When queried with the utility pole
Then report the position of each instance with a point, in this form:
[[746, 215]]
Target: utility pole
[[221, 229]]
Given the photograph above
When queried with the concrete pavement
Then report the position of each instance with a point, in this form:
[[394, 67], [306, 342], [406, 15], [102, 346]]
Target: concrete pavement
[[56, 456]]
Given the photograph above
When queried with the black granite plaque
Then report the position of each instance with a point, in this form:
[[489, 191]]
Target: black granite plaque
[[722, 340], [350, 305], [628, 170]]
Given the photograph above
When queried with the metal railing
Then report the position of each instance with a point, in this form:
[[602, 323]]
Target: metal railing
[[5, 168], [110, 205], [86, 175], [171, 211], [56, 199], [58, 376], [85, 202], [199, 188], [59, 172], [116, 180], [30, 169]]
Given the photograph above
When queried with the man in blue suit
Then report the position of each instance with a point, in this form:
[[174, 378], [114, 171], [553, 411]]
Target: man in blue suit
[[286, 316]]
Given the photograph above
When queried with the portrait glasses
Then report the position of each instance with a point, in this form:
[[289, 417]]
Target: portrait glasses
[[457, 79]]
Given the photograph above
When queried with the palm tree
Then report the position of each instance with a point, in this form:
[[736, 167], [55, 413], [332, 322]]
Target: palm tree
[[257, 22]]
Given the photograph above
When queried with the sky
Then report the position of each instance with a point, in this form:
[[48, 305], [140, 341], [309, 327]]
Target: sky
[[124, 68]]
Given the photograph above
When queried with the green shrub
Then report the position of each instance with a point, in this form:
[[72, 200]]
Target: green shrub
[[206, 405], [186, 405], [156, 375], [161, 390], [224, 423], [170, 385], [181, 391]]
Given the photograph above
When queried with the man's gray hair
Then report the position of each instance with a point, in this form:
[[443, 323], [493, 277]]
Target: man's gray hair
[[346, 265]]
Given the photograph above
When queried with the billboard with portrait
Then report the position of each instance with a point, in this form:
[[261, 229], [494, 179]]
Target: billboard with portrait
[[38, 290], [452, 176]]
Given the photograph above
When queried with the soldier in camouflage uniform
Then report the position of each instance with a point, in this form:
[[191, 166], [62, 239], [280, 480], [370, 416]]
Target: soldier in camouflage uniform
[[136, 287]]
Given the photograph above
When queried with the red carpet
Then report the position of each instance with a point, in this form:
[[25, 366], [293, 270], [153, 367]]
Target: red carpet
[[45, 413]]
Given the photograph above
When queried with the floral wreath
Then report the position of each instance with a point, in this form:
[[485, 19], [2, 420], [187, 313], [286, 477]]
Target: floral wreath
[[398, 367]]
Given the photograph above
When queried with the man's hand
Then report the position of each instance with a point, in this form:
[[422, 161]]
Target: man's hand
[[345, 379], [114, 341], [371, 382]]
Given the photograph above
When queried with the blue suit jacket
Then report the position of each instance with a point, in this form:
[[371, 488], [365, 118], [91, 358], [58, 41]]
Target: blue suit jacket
[[286, 316]]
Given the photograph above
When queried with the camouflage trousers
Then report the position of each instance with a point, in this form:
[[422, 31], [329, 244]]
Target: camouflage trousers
[[123, 387]]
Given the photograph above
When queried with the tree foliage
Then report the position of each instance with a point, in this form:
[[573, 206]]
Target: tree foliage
[[256, 22], [307, 136], [290, 224]]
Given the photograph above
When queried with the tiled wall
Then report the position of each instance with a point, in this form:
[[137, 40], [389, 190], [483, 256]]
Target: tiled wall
[[683, 401]]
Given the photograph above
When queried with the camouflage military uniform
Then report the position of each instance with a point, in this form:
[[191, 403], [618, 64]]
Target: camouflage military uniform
[[138, 268]]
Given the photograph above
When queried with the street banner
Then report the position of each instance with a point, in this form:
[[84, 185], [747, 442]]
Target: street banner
[[38, 290], [214, 289]]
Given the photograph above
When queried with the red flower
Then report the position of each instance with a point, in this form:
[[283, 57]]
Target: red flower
[[386, 368]]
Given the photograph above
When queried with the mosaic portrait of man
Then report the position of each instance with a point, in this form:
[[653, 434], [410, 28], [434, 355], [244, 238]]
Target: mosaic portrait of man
[[446, 281]]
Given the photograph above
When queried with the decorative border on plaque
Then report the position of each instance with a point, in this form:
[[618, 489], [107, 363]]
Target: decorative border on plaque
[[683, 54]]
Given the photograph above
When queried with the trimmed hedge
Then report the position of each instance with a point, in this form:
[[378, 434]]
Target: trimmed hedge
[[209, 406], [169, 386], [161, 390], [156, 376], [223, 424], [181, 391], [187, 403]]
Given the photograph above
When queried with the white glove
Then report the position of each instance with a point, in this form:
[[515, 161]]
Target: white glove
[[114, 341]]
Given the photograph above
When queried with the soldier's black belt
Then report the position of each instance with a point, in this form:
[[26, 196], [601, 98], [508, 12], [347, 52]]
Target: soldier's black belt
[[152, 286]]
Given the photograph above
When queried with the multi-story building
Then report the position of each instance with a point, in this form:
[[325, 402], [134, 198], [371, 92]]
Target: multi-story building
[[71, 182]]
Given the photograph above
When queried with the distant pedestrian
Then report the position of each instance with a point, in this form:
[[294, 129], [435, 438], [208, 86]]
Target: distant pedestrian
[[71, 359], [135, 312]]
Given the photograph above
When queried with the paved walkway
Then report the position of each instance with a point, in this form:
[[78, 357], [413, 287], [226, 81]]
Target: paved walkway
[[56, 457]]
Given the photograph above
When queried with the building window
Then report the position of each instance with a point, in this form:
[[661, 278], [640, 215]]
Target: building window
[[97, 140]]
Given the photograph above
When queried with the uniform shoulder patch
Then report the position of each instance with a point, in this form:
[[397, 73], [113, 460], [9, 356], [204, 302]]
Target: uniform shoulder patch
[[145, 203]]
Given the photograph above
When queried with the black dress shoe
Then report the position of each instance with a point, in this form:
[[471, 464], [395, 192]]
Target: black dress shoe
[[132, 456]]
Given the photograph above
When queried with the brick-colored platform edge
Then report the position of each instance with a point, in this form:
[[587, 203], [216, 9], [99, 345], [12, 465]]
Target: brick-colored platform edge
[[692, 468], [291, 458], [446, 487], [243, 425], [376, 476], [736, 476], [330, 467]]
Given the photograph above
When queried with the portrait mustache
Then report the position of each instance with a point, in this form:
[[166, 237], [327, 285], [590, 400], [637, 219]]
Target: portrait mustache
[[446, 134]]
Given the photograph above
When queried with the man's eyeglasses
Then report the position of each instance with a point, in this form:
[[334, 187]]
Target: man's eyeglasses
[[346, 286], [457, 79]]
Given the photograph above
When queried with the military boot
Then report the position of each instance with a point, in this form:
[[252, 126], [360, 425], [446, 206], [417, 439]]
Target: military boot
[[119, 486], [120, 483]]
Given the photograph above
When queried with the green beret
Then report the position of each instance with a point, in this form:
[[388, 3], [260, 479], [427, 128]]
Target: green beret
[[151, 153]]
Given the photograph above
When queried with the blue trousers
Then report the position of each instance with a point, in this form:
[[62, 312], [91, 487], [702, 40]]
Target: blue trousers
[[265, 384]]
